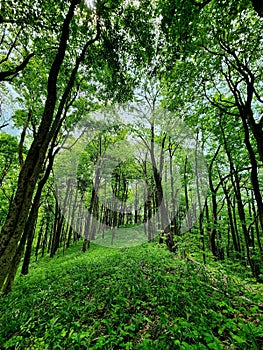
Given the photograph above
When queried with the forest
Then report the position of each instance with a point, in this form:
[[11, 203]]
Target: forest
[[131, 174]]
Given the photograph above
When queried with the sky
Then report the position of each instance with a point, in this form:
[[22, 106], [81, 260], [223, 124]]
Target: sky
[[8, 108]]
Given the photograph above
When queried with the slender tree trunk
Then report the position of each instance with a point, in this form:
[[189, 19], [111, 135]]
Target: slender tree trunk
[[72, 220], [254, 173], [198, 190], [39, 239], [30, 230], [45, 239], [213, 232], [231, 222]]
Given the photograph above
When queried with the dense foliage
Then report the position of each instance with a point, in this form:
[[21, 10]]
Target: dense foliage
[[137, 298]]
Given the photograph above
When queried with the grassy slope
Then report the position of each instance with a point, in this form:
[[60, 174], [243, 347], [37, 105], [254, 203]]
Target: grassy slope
[[137, 298]]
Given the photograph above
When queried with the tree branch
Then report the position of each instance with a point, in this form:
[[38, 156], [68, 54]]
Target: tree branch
[[6, 74], [201, 5]]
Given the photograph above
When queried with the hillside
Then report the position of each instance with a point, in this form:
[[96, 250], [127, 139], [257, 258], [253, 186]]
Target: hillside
[[137, 298]]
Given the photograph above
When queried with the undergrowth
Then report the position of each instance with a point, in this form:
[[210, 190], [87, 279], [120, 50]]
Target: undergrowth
[[131, 298]]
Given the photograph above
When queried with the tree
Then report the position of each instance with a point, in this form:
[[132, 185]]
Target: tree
[[14, 225]]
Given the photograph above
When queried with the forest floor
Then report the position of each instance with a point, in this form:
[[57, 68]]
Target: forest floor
[[131, 298]]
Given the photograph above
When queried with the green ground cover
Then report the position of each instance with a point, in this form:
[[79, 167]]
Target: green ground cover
[[131, 298]]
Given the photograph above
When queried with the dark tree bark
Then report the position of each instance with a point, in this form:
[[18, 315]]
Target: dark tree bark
[[39, 239], [258, 6], [213, 232], [240, 206], [230, 218], [7, 75], [14, 264], [32, 218]]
